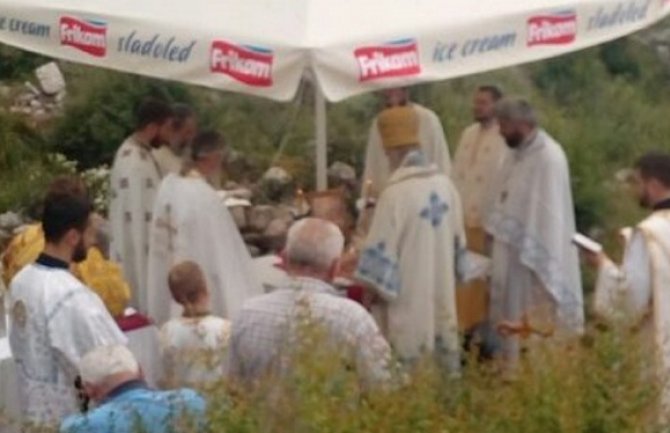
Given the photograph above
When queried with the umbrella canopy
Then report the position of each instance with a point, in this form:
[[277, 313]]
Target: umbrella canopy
[[263, 47]]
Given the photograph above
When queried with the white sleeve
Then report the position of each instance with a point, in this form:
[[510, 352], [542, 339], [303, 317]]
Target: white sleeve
[[376, 162], [628, 288], [637, 272], [378, 266], [79, 323]]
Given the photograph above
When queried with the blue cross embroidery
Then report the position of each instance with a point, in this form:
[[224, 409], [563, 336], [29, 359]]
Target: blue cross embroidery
[[435, 210], [379, 268]]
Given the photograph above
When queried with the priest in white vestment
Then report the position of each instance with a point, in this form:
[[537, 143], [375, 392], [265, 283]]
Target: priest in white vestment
[[192, 223], [55, 319], [638, 291], [536, 277], [477, 162], [431, 139], [410, 255], [135, 179], [172, 155]]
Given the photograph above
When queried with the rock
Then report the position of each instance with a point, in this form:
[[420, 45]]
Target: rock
[[260, 217], [5, 237], [341, 173], [278, 175], [624, 175], [32, 89], [35, 103], [50, 78], [60, 97], [234, 156], [231, 185], [239, 214], [24, 99], [274, 237], [10, 221], [277, 228], [276, 184], [285, 213], [5, 91]]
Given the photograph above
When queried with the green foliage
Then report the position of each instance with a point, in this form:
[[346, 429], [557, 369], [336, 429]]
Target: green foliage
[[16, 64], [25, 169]]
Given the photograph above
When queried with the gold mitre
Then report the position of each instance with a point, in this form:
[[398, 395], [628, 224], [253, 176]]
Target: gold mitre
[[398, 126]]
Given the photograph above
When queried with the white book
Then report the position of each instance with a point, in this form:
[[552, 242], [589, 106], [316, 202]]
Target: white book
[[477, 266], [587, 243]]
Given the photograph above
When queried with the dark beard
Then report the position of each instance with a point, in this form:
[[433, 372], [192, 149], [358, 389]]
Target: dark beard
[[514, 141], [156, 142], [644, 202], [80, 252]]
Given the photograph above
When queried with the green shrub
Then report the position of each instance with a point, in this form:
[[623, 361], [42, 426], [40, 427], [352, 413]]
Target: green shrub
[[25, 169], [17, 64]]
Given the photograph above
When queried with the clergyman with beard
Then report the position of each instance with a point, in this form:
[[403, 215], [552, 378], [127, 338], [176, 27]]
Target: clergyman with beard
[[535, 283], [55, 318], [479, 156], [637, 292], [135, 179]]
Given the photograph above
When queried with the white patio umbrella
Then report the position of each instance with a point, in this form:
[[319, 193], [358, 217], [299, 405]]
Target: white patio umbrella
[[263, 47]]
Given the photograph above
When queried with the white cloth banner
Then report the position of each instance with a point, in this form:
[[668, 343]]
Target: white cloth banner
[[263, 47]]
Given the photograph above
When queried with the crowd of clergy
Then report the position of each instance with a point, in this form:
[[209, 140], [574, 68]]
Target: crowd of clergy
[[471, 254]]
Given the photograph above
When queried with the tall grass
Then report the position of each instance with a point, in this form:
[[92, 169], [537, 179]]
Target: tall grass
[[601, 383]]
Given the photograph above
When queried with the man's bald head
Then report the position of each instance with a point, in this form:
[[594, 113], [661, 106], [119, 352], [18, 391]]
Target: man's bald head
[[314, 244], [187, 283]]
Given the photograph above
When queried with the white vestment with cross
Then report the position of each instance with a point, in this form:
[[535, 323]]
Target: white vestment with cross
[[191, 222], [536, 273], [134, 181], [410, 258]]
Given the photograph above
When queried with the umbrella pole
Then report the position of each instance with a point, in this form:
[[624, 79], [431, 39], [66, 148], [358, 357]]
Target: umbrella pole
[[321, 139]]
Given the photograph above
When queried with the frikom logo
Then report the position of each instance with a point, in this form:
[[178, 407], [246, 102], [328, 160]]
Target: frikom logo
[[395, 59], [249, 65], [557, 28], [87, 36]]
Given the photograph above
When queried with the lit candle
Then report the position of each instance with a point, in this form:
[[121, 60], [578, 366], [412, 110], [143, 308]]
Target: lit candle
[[300, 201]]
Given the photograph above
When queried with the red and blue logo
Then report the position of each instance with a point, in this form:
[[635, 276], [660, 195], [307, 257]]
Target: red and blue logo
[[391, 60], [556, 28], [84, 35], [247, 64]]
